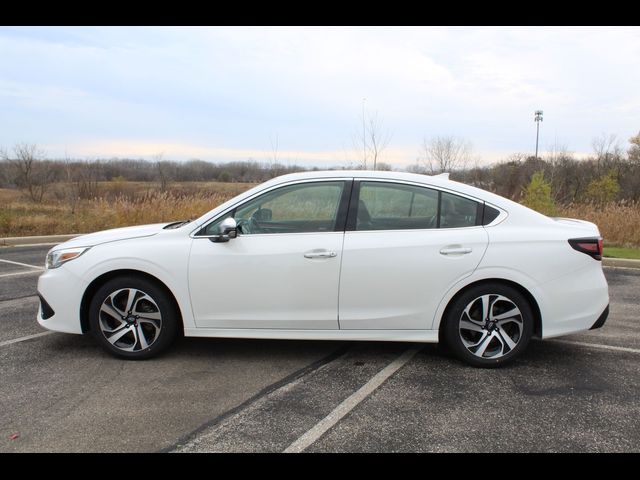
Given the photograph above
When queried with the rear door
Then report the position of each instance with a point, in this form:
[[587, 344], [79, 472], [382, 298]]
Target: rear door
[[404, 247]]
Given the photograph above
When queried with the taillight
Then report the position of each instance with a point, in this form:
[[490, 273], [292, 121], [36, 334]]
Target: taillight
[[592, 246]]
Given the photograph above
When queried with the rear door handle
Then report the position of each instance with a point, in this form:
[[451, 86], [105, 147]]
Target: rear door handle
[[320, 254], [455, 251]]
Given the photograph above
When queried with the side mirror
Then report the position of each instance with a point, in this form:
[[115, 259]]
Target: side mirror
[[227, 230]]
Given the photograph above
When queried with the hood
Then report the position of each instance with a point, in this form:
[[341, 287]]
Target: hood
[[113, 235]]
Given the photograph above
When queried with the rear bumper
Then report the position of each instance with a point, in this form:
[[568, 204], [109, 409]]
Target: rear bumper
[[601, 319], [574, 303]]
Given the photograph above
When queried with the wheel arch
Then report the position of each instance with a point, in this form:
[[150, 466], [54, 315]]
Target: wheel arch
[[93, 287], [535, 308]]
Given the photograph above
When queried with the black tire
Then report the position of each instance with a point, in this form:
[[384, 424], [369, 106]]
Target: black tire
[[519, 328], [146, 337]]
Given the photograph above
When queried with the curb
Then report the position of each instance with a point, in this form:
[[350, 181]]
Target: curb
[[620, 262], [36, 240]]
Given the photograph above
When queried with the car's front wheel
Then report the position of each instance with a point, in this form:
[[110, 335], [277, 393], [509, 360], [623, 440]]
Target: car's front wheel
[[132, 317], [488, 325]]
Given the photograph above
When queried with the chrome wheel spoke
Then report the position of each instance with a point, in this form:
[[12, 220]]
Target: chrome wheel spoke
[[149, 315], [131, 299], [149, 302], [114, 304], [516, 320], [514, 312], [141, 337], [466, 315], [112, 312], [467, 325], [472, 344], [112, 317], [154, 323], [105, 327], [119, 334], [486, 304], [506, 339], [482, 346]]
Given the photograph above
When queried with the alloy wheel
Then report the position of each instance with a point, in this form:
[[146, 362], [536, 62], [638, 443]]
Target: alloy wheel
[[491, 326], [130, 319]]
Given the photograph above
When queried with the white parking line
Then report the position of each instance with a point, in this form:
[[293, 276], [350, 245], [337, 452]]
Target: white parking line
[[350, 403], [14, 274], [22, 339], [21, 264], [597, 345]]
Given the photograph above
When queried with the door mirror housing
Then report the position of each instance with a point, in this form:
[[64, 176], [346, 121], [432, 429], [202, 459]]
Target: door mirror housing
[[227, 230]]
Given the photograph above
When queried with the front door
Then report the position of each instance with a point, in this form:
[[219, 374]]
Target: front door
[[282, 271]]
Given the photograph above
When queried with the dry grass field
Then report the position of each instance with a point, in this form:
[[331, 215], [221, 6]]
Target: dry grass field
[[118, 204], [123, 203], [619, 223]]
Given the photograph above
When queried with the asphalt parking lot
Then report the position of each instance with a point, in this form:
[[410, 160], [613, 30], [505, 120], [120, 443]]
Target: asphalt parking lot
[[62, 393]]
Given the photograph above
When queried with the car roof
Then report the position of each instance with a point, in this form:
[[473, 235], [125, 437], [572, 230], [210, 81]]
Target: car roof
[[440, 181]]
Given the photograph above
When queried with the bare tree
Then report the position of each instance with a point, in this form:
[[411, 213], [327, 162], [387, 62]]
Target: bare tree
[[446, 154], [370, 142], [379, 138], [72, 190], [274, 150], [605, 145], [275, 166], [608, 151], [31, 171], [163, 169]]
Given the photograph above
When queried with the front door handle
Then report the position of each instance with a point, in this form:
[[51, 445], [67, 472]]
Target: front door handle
[[320, 254], [455, 251]]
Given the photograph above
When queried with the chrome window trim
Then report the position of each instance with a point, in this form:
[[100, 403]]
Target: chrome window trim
[[501, 216]]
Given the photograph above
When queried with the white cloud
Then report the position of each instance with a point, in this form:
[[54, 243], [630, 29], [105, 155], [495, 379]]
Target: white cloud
[[231, 89]]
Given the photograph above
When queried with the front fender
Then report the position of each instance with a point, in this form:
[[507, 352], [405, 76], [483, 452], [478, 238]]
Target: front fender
[[165, 259]]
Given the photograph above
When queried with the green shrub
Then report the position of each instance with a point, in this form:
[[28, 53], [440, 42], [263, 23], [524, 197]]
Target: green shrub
[[537, 195]]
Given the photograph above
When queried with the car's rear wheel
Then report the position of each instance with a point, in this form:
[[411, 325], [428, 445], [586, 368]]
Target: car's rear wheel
[[133, 318], [488, 325]]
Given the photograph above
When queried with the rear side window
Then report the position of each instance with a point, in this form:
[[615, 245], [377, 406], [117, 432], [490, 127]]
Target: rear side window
[[395, 206], [457, 211], [388, 206]]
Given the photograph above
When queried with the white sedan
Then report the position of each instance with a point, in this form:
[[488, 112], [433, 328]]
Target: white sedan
[[337, 255]]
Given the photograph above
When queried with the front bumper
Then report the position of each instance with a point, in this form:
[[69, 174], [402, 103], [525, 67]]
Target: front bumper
[[62, 293]]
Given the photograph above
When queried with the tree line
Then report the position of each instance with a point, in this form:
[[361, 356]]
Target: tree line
[[611, 173]]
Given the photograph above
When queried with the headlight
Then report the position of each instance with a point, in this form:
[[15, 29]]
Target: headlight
[[55, 258]]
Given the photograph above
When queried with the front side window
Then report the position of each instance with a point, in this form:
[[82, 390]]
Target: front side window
[[301, 208]]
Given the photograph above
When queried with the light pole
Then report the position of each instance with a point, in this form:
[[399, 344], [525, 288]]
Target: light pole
[[537, 118], [364, 137]]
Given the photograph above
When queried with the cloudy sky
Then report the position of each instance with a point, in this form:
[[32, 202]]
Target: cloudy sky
[[233, 93]]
